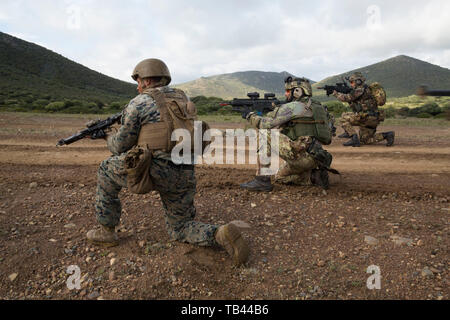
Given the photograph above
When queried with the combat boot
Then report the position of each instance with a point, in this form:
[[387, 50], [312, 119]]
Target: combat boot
[[230, 238], [319, 177], [389, 137], [353, 142], [103, 236], [344, 135], [260, 183]]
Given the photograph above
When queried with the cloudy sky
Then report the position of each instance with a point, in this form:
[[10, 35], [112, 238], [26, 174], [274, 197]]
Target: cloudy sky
[[208, 37]]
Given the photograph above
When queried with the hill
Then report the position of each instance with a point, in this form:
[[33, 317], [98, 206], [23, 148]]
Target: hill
[[237, 84], [400, 76], [29, 71]]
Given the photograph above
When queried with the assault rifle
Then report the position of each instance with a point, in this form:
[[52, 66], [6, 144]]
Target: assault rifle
[[423, 91], [96, 130], [254, 103], [341, 87]]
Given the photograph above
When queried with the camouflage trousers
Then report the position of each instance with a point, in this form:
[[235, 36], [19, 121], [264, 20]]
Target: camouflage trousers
[[176, 186], [367, 127], [297, 162]]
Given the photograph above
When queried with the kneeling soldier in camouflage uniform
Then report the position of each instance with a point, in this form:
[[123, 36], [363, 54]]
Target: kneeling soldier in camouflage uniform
[[301, 130], [365, 114], [144, 119]]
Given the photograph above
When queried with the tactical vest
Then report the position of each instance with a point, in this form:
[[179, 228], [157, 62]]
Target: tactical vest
[[310, 119], [366, 102], [176, 112]]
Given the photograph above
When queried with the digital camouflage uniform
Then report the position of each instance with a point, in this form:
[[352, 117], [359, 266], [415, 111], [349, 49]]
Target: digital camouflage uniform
[[298, 162], [364, 114], [176, 184]]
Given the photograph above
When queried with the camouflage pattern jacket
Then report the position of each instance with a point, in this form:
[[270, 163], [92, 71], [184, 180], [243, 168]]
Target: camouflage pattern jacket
[[281, 115], [360, 99], [140, 110]]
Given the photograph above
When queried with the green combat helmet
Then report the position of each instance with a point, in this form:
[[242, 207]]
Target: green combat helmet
[[292, 83], [358, 78], [152, 68]]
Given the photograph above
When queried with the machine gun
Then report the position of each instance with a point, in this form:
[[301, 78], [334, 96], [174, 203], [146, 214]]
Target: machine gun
[[341, 87], [254, 103], [95, 130], [423, 91]]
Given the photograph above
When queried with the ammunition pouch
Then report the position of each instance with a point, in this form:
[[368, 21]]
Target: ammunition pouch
[[137, 166], [322, 156]]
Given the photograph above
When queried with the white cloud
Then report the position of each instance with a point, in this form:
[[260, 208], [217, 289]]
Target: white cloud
[[202, 38]]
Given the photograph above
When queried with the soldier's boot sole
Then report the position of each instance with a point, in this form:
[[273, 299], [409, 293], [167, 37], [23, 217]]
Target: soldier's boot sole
[[229, 237]]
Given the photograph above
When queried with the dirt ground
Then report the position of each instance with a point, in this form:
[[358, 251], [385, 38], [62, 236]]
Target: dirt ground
[[389, 208]]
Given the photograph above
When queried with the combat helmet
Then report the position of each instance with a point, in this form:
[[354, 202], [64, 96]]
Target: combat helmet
[[292, 83], [152, 68], [357, 77]]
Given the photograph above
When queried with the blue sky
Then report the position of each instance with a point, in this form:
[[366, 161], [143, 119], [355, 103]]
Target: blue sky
[[202, 38]]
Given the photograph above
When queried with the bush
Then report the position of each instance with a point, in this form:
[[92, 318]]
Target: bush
[[404, 111], [209, 105], [336, 107], [431, 108], [10, 102], [40, 103], [55, 106], [115, 106], [390, 112], [424, 115]]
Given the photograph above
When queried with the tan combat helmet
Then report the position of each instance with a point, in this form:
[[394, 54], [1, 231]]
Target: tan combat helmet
[[152, 68], [357, 77], [294, 83]]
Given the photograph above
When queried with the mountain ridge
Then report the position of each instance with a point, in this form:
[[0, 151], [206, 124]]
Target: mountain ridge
[[28, 67]]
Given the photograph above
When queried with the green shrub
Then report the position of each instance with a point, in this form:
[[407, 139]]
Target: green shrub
[[39, 103], [10, 102], [403, 111], [115, 106], [390, 112], [430, 108], [424, 115], [55, 106], [336, 107]]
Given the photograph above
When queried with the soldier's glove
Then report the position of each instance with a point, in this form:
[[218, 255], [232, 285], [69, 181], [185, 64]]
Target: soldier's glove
[[99, 134], [246, 115]]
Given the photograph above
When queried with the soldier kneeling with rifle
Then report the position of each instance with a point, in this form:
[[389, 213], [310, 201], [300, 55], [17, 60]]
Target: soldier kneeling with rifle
[[366, 114], [304, 125]]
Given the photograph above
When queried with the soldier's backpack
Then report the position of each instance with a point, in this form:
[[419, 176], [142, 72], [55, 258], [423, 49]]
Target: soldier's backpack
[[378, 92]]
